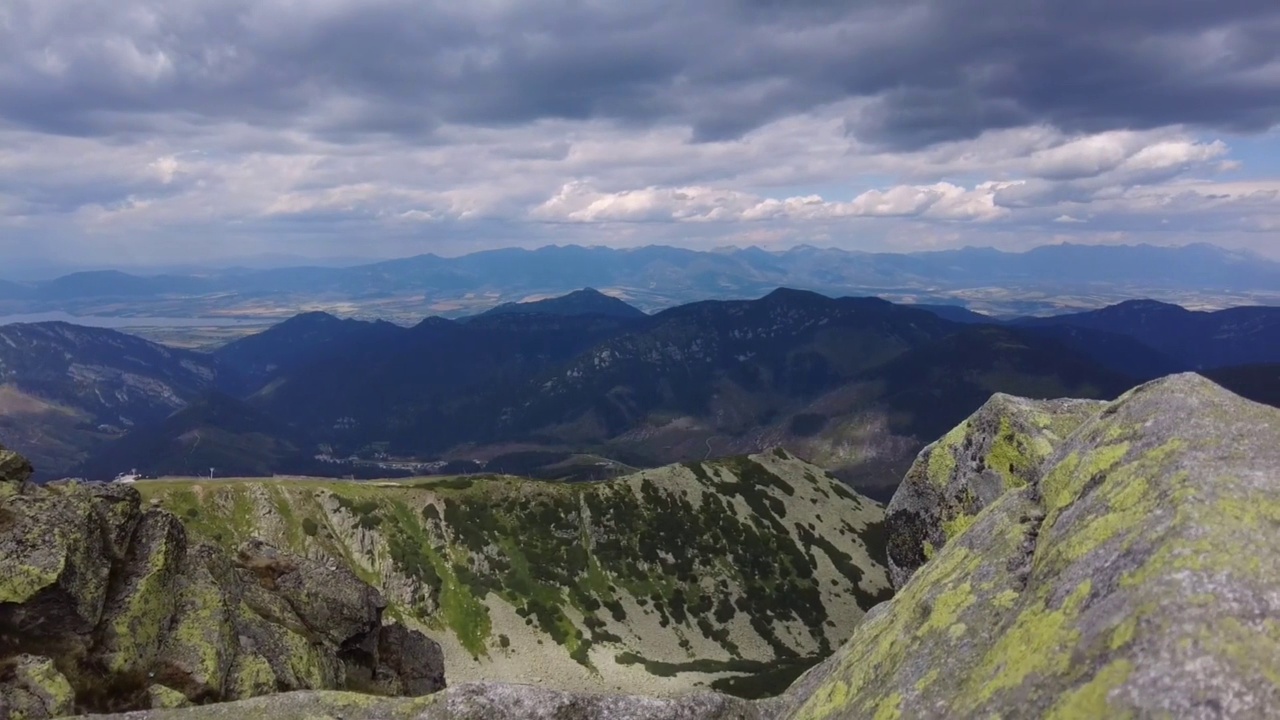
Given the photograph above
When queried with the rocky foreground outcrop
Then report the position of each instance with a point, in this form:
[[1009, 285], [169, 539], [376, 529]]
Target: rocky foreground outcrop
[[1131, 569], [107, 606], [1135, 574]]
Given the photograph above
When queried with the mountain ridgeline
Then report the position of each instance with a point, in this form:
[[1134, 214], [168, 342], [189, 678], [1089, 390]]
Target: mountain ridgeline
[[586, 387], [652, 278], [1200, 340], [827, 377], [67, 390]]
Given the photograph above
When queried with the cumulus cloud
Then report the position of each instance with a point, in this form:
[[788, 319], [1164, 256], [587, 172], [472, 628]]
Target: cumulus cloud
[[213, 127], [577, 202]]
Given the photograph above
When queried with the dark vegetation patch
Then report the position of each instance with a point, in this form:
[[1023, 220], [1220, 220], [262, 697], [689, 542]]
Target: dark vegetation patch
[[755, 679], [771, 682], [876, 538], [458, 483], [845, 566], [841, 491], [365, 511]]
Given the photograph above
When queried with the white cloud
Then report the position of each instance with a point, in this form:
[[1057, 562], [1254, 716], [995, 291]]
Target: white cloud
[[578, 202], [200, 190]]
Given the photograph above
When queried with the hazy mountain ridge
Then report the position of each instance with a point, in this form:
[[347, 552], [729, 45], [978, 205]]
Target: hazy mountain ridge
[[655, 277], [837, 380], [299, 340], [214, 433], [440, 379], [940, 384], [740, 375], [790, 344], [66, 389], [1260, 383], [1202, 340]]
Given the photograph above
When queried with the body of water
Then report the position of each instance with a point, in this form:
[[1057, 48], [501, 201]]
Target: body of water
[[131, 322]]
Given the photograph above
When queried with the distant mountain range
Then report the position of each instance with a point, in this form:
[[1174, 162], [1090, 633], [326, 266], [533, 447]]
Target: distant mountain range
[[556, 386], [1199, 340], [655, 277]]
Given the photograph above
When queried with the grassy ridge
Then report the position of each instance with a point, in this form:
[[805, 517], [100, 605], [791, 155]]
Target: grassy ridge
[[725, 560]]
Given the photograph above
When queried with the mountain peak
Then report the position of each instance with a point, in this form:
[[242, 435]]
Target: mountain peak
[[1146, 305], [314, 317], [586, 301], [785, 294]]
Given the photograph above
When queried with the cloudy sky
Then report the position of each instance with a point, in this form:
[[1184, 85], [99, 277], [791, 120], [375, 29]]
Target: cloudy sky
[[155, 131]]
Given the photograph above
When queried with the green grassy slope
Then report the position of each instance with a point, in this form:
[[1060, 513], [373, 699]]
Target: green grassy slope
[[658, 582]]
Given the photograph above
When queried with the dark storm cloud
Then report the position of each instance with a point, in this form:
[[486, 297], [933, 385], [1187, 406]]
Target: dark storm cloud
[[929, 71]]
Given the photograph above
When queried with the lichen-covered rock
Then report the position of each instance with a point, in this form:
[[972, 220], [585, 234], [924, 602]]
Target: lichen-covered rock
[[31, 688], [143, 596], [330, 601], [1139, 576], [492, 701], [278, 657], [164, 698], [409, 663], [120, 509], [202, 641], [473, 701], [302, 705], [1000, 447], [54, 566], [132, 615], [15, 470]]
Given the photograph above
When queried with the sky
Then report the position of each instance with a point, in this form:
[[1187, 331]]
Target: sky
[[146, 132]]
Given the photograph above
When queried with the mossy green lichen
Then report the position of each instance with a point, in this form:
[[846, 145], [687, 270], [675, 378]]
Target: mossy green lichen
[[40, 677], [1130, 495], [201, 637], [881, 643], [942, 459], [890, 708], [929, 678], [956, 525], [1091, 700], [21, 582], [1038, 643], [164, 698], [947, 607], [831, 697], [1068, 478], [252, 677], [136, 630], [1005, 599], [1011, 457]]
